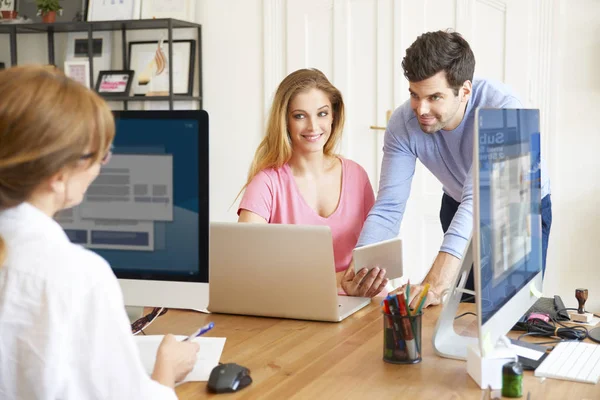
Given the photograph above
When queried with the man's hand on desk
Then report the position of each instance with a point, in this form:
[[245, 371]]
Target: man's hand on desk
[[365, 283], [433, 297], [439, 277]]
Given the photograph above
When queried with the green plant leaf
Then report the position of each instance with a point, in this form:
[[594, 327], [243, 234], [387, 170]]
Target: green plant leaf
[[48, 5]]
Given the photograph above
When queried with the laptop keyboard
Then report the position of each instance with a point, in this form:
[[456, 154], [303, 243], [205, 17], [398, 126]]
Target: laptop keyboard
[[572, 361]]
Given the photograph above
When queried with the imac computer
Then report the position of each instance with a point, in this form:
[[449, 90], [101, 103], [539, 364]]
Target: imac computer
[[505, 249], [147, 211]]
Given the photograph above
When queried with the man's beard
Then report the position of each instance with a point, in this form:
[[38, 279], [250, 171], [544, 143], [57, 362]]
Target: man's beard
[[432, 128], [440, 121]]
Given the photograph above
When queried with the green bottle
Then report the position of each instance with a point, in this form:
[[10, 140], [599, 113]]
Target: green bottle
[[512, 379]]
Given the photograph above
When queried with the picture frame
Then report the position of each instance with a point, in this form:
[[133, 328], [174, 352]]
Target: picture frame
[[78, 71], [8, 9], [80, 48], [111, 10], [8, 5], [143, 54], [114, 83], [184, 10], [77, 44]]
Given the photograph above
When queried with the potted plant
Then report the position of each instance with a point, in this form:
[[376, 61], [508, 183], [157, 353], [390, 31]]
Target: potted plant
[[48, 9]]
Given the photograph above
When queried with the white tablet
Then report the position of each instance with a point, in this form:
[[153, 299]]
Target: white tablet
[[386, 254]]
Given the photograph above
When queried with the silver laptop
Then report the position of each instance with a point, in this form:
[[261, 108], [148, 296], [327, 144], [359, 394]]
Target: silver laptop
[[273, 270]]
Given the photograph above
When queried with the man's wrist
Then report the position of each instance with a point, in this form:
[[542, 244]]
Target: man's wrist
[[442, 272]]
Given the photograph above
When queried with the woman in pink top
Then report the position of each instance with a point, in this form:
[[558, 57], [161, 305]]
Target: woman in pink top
[[296, 178]]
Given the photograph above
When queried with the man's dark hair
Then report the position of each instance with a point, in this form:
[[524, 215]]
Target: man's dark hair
[[433, 52]]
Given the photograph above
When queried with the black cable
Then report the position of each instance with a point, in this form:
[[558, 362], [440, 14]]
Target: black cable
[[554, 328], [535, 334], [554, 342], [538, 327], [465, 313], [529, 334]]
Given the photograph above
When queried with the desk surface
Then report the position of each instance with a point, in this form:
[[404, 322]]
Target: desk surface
[[311, 360]]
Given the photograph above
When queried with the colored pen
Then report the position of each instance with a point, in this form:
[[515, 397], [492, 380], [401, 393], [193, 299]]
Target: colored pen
[[393, 309], [411, 346], [422, 298], [389, 343], [388, 307], [200, 331], [392, 302], [408, 296]]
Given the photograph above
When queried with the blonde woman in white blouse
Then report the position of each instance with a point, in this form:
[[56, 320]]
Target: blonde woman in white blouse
[[64, 333]]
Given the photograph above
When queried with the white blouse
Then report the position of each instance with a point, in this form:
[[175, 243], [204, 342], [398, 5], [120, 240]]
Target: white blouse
[[64, 332]]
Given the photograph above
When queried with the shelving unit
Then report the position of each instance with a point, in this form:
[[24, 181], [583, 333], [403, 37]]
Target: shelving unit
[[96, 26]]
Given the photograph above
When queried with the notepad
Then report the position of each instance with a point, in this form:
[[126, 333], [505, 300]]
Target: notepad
[[208, 356]]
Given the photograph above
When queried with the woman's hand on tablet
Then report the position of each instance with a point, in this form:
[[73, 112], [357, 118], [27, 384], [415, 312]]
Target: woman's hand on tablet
[[365, 283]]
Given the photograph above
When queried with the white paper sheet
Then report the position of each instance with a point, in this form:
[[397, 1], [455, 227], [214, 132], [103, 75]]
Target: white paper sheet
[[208, 356]]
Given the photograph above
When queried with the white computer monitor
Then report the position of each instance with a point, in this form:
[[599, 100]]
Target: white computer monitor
[[147, 212], [505, 249]]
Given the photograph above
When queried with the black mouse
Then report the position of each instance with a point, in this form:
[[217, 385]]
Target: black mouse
[[227, 378]]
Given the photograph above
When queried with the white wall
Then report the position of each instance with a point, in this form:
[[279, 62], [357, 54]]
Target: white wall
[[575, 237], [233, 94]]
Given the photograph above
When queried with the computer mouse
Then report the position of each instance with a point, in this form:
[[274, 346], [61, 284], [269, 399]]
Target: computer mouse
[[227, 378]]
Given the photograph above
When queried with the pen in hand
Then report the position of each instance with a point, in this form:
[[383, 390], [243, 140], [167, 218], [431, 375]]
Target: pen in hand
[[200, 331]]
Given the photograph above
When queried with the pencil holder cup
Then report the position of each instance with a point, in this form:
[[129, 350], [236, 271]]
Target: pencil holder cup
[[401, 338]]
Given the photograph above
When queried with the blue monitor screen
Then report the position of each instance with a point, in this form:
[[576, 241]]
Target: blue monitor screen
[[509, 204], [147, 211]]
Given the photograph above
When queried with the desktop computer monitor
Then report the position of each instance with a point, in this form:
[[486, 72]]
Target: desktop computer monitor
[[147, 212], [506, 245]]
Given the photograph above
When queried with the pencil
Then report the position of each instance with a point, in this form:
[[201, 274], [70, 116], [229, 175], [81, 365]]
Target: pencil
[[422, 298], [408, 296]]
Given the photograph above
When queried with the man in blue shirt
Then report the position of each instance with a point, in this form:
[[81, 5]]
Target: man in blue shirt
[[437, 126]]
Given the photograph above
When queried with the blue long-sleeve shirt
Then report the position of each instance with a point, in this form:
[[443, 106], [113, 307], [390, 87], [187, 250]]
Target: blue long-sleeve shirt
[[447, 154]]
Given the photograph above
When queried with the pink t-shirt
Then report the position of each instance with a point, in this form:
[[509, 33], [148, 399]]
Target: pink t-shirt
[[273, 195]]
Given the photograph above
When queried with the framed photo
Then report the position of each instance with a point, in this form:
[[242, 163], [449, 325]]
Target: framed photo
[[114, 83], [81, 47], [150, 62], [111, 10], [8, 5], [78, 71], [77, 49], [8, 9], [178, 9]]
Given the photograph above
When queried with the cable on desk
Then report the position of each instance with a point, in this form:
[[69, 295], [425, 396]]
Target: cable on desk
[[592, 338], [465, 313], [553, 328]]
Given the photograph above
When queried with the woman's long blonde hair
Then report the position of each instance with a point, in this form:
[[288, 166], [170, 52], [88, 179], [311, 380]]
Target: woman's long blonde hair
[[275, 149], [47, 122]]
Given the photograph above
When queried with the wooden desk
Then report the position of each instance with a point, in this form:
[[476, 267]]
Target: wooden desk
[[319, 360]]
